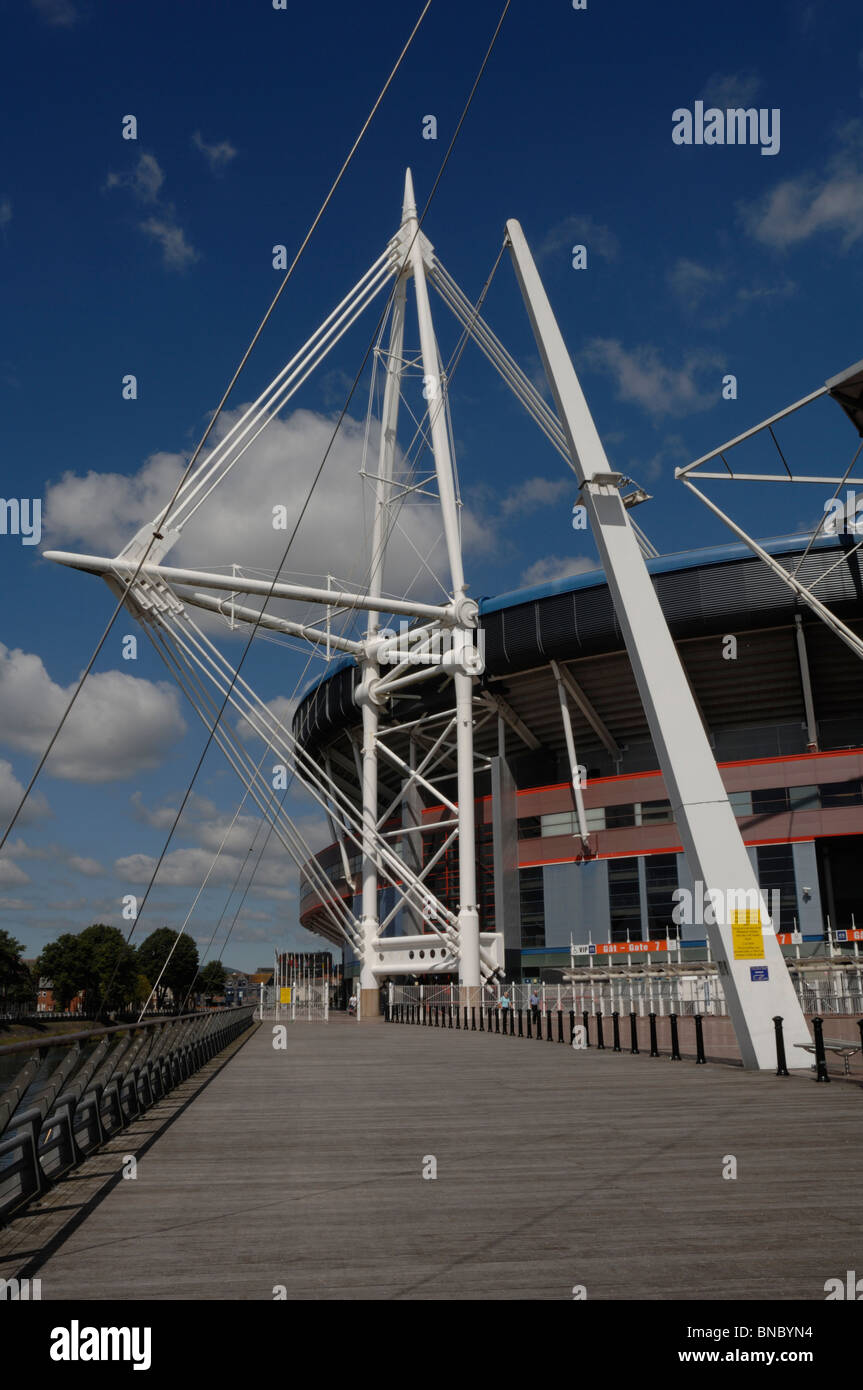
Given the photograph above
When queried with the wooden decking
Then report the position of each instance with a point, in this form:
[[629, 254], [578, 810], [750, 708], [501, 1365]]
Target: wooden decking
[[303, 1168]]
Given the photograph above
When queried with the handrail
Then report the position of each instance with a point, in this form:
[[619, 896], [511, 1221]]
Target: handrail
[[66, 1039]]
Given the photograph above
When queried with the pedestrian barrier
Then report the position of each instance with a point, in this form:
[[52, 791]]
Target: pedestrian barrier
[[68, 1094]]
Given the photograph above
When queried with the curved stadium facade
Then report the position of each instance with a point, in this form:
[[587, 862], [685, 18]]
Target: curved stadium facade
[[783, 707]]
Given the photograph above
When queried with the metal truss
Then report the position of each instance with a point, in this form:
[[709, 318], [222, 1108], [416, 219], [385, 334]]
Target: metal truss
[[847, 390]]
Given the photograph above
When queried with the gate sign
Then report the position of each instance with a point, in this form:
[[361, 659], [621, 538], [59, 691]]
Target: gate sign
[[286, 994], [758, 972]]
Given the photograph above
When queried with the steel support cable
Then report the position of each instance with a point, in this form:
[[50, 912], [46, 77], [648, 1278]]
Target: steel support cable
[[380, 271], [817, 530], [218, 852], [501, 360], [238, 760], [337, 428], [255, 711], [267, 419], [393, 867], [204, 882], [192, 461]]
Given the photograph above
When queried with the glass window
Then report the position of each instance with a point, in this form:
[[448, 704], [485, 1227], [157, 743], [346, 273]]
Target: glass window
[[653, 812], [529, 828], [532, 907], [804, 798], [617, 816], [741, 803], [841, 794], [624, 899], [560, 823], [769, 801], [776, 874], [595, 817], [660, 872]]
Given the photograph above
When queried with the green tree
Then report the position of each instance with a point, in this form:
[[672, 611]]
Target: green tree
[[63, 963], [212, 978], [181, 970], [97, 961], [16, 982]]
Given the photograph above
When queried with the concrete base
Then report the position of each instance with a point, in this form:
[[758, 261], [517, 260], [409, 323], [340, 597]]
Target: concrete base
[[370, 1005]]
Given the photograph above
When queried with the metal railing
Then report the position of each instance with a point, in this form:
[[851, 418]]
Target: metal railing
[[63, 1097]]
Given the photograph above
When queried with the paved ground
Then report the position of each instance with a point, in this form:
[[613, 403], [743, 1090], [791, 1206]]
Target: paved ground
[[555, 1168]]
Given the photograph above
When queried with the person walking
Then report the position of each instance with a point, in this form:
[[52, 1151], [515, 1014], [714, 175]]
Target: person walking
[[534, 1004]]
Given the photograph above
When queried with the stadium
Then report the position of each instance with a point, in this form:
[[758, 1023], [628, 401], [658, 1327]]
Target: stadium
[[779, 697]]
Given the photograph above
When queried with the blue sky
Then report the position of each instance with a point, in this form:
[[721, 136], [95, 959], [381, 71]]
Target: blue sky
[[154, 257]]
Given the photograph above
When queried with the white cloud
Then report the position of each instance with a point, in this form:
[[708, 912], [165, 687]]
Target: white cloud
[[11, 791], [90, 868], [60, 14], [188, 867], [144, 182], [825, 201], [534, 493], [731, 89], [120, 724], [580, 231], [10, 874], [281, 708], [642, 378], [218, 156], [691, 282], [553, 567], [235, 524], [177, 253]]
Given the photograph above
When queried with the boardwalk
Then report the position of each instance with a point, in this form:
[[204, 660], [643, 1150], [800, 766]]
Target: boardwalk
[[303, 1168]]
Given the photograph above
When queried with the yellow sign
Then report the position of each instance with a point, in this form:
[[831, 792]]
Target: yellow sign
[[746, 934], [286, 994]]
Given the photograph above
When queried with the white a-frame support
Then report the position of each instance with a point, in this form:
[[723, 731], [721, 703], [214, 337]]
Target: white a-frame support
[[756, 980]]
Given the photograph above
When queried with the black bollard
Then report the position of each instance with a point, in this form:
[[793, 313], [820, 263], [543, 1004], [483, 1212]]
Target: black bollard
[[820, 1056], [860, 1027], [600, 1041], [560, 1025], [449, 1011], [528, 1023], [458, 1018], [615, 1028], [781, 1064], [571, 1025], [549, 1037], [654, 1050], [521, 1023], [586, 1020], [497, 1020], [539, 1022], [473, 1018], [700, 1058], [633, 1034], [481, 1018], [675, 1045], [511, 1013]]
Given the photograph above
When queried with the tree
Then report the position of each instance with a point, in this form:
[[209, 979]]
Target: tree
[[212, 978], [16, 982], [97, 961], [63, 963], [181, 970], [112, 969]]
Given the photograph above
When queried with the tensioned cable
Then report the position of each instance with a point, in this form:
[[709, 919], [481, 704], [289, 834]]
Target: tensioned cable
[[163, 516], [343, 412]]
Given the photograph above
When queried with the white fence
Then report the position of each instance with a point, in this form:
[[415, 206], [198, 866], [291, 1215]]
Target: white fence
[[309, 1002], [839, 992]]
